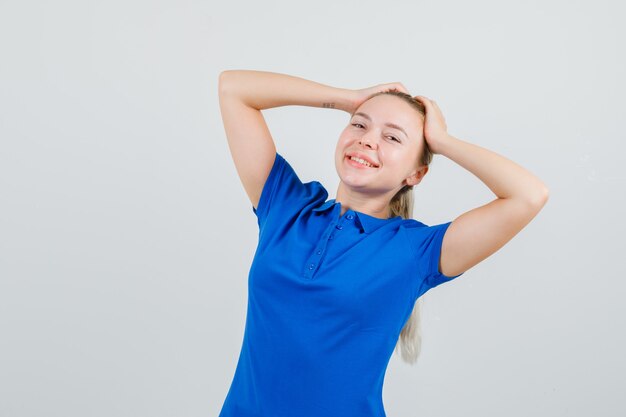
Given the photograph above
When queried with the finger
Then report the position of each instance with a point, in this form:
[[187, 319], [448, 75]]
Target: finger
[[399, 87], [424, 100], [434, 103]]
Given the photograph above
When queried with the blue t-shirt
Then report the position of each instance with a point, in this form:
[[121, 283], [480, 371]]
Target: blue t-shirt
[[328, 296]]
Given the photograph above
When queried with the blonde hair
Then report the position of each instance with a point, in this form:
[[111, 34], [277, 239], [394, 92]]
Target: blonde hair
[[410, 341]]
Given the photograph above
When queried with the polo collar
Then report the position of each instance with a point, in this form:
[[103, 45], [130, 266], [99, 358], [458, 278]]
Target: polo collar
[[368, 223]]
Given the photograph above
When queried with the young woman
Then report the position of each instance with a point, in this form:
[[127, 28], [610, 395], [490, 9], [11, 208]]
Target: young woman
[[334, 285]]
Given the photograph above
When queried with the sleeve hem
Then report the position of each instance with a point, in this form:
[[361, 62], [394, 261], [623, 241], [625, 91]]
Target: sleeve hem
[[268, 189], [435, 275]]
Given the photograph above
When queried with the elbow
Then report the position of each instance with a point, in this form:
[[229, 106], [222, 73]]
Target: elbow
[[222, 81], [541, 197]]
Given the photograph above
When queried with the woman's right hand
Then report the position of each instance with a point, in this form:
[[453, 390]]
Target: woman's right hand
[[357, 97]]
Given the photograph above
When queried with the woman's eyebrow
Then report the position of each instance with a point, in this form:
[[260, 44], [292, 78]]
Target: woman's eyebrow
[[393, 125]]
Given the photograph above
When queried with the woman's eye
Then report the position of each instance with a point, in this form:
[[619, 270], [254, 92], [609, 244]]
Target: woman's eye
[[392, 137]]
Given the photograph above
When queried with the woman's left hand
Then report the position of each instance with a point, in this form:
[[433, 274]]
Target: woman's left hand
[[435, 128]]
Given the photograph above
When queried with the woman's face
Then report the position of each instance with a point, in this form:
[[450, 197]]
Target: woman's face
[[393, 150]]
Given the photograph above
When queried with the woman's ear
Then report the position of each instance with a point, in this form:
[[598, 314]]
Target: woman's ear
[[416, 176]]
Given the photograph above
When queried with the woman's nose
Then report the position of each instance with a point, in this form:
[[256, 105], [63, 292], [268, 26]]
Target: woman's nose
[[367, 141]]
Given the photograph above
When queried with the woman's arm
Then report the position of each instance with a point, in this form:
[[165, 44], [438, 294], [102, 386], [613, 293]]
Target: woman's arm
[[504, 177], [478, 233], [242, 96], [264, 90]]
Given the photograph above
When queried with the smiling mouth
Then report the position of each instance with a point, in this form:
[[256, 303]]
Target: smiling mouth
[[360, 163]]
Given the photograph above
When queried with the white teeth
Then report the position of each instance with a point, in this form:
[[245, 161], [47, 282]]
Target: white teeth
[[361, 161]]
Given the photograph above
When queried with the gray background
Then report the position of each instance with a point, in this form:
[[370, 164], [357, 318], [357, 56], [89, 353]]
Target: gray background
[[126, 236]]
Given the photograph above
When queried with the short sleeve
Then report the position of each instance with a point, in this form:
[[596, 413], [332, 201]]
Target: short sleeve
[[284, 193], [426, 244]]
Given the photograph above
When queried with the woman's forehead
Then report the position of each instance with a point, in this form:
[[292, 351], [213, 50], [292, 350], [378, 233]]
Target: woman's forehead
[[386, 107], [393, 113]]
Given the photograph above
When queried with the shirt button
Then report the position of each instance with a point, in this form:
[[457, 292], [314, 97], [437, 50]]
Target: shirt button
[[311, 266], [319, 252], [339, 227], [350, 216]]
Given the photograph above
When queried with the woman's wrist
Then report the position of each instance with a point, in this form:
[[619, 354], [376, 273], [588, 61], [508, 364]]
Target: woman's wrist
[[341, 99]]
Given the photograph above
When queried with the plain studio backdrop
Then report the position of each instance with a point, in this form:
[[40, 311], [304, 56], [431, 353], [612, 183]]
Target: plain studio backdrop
[[126, 236]]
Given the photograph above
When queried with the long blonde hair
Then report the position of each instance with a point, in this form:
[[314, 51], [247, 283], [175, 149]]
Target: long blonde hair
[[410, 341]]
